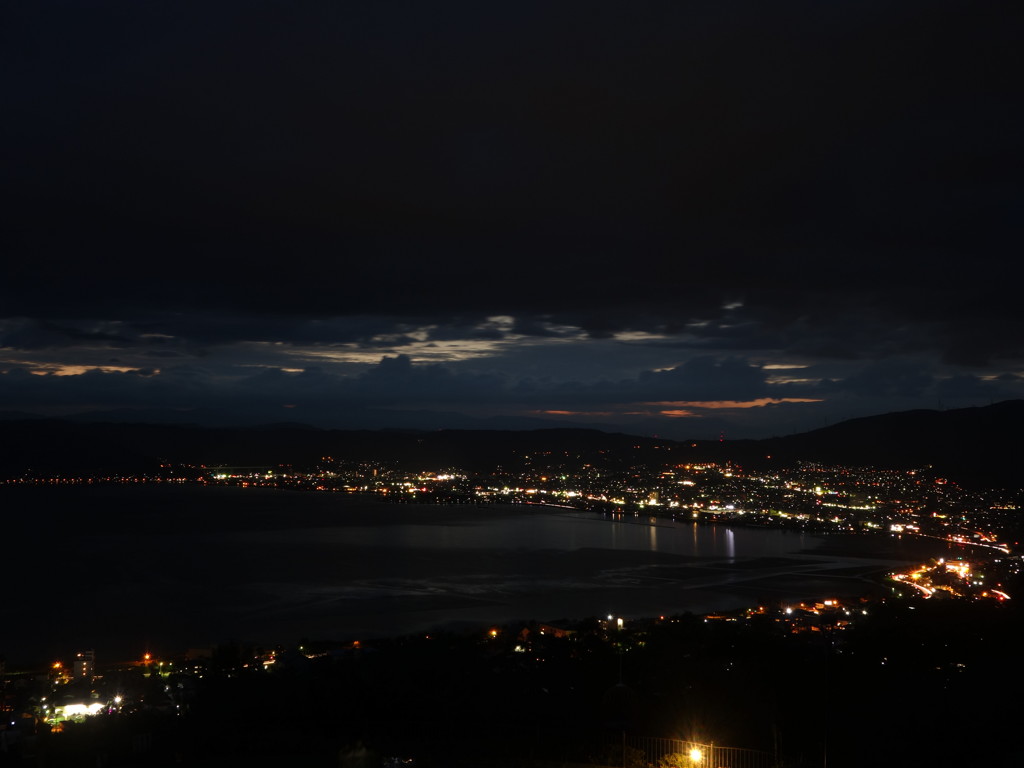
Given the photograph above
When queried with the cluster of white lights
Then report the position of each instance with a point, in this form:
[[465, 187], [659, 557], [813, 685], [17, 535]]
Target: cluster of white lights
[[80, 710]]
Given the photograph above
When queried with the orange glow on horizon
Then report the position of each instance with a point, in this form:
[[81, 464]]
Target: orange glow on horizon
[[717, 404], [80, 370], [679, 409]]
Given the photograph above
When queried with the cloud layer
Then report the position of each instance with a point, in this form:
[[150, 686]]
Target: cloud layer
[[512, 209]]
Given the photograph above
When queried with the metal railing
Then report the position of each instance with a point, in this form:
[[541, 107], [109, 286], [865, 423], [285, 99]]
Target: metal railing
[[643, 751]]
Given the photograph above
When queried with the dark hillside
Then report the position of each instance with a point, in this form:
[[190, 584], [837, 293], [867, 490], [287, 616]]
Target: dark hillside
[[973, 446]]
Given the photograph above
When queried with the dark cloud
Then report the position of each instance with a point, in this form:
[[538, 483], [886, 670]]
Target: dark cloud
[[40, 333], [718, 393], [704, 378], [896, 378], [277, 161], [966, 389], [241, 182]]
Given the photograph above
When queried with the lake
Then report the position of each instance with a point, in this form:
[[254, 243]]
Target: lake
[[123, 569]]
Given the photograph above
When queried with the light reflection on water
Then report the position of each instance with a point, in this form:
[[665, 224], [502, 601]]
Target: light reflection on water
[[557, 530], [197, 566]]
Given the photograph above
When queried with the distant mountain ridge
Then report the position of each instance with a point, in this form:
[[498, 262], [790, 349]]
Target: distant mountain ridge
[[971, 445], [976, 446]]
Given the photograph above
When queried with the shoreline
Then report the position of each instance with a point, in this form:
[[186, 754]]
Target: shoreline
[[187, 568]]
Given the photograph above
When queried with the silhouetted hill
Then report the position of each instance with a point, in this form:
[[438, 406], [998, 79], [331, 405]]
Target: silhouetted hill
[[49, 446], [974, 446]]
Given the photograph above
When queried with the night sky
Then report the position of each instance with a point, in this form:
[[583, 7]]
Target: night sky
[[678, 218]]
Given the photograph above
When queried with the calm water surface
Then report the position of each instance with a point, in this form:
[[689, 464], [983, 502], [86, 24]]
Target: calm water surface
[[121, 569]]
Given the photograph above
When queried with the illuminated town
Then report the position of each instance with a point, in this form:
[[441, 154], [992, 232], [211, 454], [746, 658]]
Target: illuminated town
[[812, 497], [809, 496]]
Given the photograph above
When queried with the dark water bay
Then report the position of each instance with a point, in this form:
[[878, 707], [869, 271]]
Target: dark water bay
[[125, 568]]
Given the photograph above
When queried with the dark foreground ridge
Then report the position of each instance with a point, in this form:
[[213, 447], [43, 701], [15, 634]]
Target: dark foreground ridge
[[974, 446], [863, 684]]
